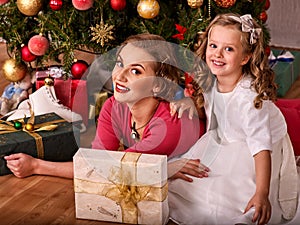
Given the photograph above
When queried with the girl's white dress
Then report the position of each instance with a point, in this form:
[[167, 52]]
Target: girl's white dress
[[236, 132]]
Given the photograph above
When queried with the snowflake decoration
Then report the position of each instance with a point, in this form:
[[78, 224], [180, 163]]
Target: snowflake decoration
[[102, 33]]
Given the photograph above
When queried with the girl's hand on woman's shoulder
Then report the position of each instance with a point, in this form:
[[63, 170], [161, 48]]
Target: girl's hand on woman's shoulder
[[182, 105]]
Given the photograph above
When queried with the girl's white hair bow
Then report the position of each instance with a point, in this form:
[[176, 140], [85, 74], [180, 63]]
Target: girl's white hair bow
[[248, 26]]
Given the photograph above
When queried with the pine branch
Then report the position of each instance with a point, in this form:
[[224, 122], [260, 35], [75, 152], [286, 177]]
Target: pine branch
[[68, 29]]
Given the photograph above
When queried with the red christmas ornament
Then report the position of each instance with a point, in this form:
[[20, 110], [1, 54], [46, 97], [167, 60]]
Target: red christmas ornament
[[2, 2], [38, 45], [78, 68], [263, 16], [27, 56], [225, 3], [82, 4], [118, 5], [267, 5], [55, 4]]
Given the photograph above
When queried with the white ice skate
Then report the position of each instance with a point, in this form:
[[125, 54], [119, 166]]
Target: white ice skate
[[44, 101]]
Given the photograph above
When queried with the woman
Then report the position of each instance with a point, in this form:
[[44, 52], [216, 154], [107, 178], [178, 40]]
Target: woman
[[137, 117]]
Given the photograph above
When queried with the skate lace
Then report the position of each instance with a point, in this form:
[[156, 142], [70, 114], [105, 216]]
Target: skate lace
[[56, 101]]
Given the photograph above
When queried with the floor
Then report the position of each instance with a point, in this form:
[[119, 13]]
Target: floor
[[49, 200]]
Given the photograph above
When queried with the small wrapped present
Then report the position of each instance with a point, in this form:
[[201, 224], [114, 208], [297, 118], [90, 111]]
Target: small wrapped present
[[96, 106], [70, 92], [49, 137], [121, 187]]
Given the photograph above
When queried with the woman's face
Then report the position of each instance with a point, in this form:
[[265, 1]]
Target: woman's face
[[133, 75]]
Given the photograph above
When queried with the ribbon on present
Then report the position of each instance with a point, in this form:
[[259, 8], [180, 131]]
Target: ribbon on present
[[124, 188], [95, 108], [284, 56], [8, 127], [54, 71]]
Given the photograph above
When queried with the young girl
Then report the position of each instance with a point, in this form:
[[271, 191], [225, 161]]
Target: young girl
[[253, 177]]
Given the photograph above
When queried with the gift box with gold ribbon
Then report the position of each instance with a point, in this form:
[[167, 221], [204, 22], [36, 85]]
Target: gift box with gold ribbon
[[122, 187], [45, 136]]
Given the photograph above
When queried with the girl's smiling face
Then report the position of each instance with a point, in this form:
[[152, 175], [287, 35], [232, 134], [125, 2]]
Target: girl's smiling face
[[133, 75], [224, 53]]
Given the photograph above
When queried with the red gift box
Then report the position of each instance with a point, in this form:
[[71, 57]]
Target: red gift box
[[70, 92]]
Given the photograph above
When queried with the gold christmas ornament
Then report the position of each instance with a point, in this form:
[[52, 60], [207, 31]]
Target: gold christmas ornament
[[30, 7], [14, 71], [29, 127], [195, 3], [102, 33], [148, 9], [225, 3], [49, 81]]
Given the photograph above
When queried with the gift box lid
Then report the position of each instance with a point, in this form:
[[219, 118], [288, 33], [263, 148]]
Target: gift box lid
[[120, 167]]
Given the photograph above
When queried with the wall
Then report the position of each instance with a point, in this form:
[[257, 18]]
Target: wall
[[284, 23]]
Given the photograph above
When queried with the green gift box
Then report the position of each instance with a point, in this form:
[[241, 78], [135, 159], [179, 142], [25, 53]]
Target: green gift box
[[286, 73], [59, 144]]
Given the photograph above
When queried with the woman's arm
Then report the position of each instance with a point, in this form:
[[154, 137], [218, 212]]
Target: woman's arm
[[23, 165]]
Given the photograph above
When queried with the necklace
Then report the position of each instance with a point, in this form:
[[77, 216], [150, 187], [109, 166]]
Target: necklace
[[134, 131]]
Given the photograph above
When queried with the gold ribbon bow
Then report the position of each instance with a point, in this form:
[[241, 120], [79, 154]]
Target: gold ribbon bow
[[9, 127]]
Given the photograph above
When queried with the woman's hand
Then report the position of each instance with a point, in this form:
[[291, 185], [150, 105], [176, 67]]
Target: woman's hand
[[179, 169], [262, 207], [21, 165], [182, 105]]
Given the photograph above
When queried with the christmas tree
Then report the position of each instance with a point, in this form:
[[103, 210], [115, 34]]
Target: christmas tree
[[42, 30]]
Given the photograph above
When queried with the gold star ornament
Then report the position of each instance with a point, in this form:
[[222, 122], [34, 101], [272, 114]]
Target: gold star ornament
[[102, 33]]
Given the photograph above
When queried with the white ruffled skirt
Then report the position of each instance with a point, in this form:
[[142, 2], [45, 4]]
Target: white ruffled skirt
[[222, 197]]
